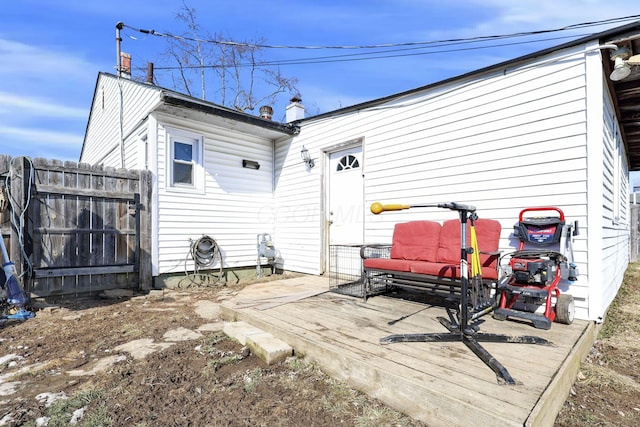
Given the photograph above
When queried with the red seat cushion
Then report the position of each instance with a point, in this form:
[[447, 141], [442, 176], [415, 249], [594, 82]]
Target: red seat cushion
[[388, 264], [416, 240], [450, 271]]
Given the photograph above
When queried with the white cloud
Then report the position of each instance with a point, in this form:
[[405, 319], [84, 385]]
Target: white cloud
[[532, 15], [12, 134], [43, 100], [13, 104], [29, 61]]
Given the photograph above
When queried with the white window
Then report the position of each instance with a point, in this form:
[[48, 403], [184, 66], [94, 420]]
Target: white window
[[185, 160]]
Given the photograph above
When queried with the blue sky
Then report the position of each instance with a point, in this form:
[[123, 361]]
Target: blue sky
[[52, 51]]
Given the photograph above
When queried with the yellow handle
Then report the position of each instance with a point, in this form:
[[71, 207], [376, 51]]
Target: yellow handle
[[378, 207], [476, 267]]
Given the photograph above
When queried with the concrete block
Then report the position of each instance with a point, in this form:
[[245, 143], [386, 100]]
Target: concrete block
[[208, 309], [268, 348], [240, 331]]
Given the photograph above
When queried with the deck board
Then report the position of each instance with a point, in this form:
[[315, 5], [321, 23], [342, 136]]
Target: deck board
[[440, 383]]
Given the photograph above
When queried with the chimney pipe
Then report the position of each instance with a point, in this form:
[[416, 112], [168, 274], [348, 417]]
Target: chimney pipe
[[266, 112], [149, 73]]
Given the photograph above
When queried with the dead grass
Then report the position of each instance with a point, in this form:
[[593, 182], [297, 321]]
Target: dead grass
[[607, 390]]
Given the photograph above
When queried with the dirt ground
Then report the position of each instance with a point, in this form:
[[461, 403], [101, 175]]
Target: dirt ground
[[607, 390], [160, 359]]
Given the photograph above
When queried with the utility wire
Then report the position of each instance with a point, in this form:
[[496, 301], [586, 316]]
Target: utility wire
[[359, 56], [388, 45]]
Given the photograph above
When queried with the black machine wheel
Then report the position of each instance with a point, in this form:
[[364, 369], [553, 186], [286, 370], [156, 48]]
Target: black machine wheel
[[565, 309], [499, 316]]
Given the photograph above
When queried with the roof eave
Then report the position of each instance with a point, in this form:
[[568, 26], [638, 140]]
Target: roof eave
[[170, 98]]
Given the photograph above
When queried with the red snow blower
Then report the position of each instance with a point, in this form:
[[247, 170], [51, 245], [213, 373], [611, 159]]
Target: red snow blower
[[529, 289]]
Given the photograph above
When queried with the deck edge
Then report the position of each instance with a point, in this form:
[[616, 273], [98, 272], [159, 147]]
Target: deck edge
[[432, 414], [552, 399]]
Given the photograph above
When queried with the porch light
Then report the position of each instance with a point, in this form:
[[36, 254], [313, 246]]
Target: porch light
[[306, 158], [622, 63], [621, 70]]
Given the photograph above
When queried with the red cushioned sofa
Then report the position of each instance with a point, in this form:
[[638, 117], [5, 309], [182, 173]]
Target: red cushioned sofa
[[425, 255]]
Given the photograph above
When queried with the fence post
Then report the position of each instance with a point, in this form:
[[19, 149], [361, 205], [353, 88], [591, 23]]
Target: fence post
[[635, 233], [145, 211], [17, 185], [5, 224]]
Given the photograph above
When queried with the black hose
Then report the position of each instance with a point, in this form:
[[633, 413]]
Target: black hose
[[204, 251], [205, 254]]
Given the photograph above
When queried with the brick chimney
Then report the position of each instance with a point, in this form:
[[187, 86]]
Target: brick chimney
[[295, 110], [125, 65]]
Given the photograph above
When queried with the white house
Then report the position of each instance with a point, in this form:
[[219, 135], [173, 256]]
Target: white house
[[547, 129], [213, 167]]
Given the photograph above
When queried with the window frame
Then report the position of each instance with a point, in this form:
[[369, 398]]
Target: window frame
[[196, 141]]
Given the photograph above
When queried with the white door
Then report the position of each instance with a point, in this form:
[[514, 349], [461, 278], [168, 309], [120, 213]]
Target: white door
[[346, 212]]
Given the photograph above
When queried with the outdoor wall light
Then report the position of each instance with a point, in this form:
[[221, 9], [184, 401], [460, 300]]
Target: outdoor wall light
[[306, 158], [621, 70], [250, 164], [622, 63]]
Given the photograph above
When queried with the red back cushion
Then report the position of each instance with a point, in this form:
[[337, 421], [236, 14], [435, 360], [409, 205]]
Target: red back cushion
[[487, 232], [449, 249], [416, 240]]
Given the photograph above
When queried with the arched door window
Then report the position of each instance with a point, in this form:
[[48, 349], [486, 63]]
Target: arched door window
[[348, 162]]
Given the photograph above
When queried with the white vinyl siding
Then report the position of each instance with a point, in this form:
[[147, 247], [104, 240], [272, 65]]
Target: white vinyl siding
[[118, 110], [234, 206], [502, 141], [615, 234], [297, 212]]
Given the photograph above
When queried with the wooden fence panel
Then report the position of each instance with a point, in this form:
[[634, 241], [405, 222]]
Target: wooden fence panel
[[635, 232], [83, 226]]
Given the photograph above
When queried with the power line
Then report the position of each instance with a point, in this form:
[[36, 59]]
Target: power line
[[388, 45], [360, 56]]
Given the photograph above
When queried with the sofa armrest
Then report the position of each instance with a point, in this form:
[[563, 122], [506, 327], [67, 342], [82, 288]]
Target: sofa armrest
[[492, 253], [382, 250]]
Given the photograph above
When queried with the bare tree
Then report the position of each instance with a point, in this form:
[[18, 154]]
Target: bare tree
[[234, 69]]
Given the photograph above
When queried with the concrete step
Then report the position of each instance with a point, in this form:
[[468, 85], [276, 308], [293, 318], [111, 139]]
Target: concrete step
[[264, 345]]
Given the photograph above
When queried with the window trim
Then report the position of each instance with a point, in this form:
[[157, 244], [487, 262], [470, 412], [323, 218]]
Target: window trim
[[197, 142]]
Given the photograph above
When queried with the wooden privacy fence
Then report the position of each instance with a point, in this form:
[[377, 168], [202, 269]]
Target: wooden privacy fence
[[76, 229], [635, 232]]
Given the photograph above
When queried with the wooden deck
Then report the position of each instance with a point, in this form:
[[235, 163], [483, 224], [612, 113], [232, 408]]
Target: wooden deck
[[437, 383]]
